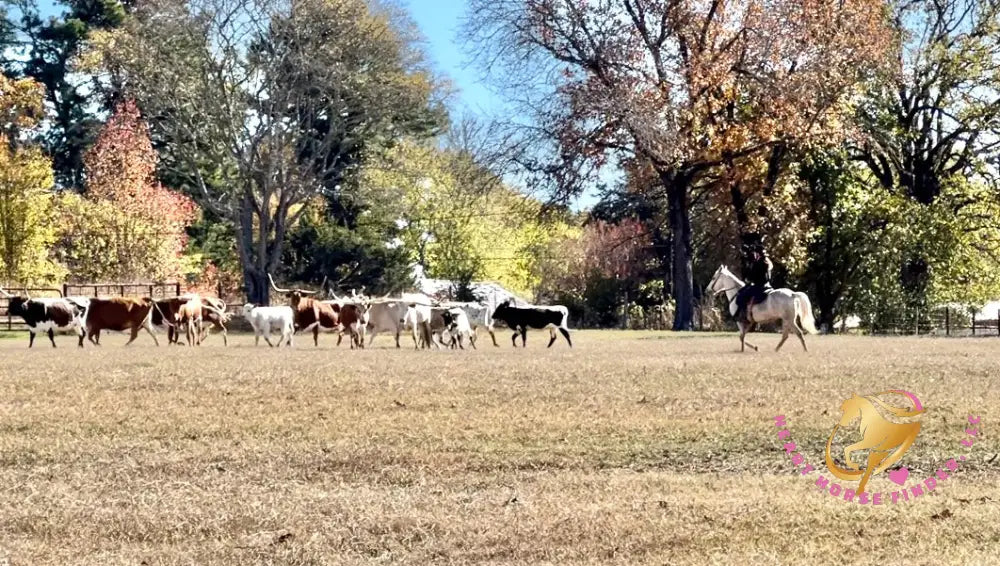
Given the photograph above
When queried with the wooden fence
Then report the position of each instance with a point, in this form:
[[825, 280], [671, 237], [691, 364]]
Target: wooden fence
[[155, 290]]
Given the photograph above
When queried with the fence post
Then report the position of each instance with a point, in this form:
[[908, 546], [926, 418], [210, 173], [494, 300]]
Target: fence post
[[65, 289], [973, 324], [998, 322], [177, 288], [916, 322], [947, 321]]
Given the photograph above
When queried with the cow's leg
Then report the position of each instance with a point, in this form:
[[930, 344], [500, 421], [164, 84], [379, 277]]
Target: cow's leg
[[513, 339], [94, 336], [149, 328], [493, 337], [316, 335], [256, 338], [340, 338], [31, 338], [565, 334], [524, 336], [225, 335], [82, 334], [552, 337], [135, 334], [52, 338]]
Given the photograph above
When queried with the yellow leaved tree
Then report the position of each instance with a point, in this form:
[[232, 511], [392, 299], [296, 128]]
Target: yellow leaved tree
[[26, 228]]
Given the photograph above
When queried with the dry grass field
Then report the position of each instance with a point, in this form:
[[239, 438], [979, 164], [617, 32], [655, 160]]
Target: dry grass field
[[631, 448]]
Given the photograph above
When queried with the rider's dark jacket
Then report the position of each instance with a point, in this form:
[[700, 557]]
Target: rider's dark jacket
[[758, 272]]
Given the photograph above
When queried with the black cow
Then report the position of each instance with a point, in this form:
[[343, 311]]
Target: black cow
[[520, 319], [43, 315]]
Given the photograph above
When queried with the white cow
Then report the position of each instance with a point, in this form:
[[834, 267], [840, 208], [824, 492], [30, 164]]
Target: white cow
[[426, 322], [459, 328], [386, 315], [264, 318]]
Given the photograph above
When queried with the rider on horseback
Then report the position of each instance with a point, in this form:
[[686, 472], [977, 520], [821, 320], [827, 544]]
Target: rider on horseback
[[757, 271]]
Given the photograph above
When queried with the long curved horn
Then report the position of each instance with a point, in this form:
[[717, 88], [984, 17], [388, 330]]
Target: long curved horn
[[6, 294], [304, 292], [322, 286], [275, 287]]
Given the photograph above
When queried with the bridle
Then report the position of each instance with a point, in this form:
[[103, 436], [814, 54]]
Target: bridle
[[717, 293]]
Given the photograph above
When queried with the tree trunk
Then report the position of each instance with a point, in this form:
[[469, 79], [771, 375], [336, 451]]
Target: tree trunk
[[678, 185], [254, 278]]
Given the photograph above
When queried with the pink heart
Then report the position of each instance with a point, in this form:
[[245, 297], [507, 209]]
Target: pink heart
[[899, 476]]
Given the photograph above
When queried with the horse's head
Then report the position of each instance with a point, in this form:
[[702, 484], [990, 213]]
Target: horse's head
[[721, 281], [851, 409]]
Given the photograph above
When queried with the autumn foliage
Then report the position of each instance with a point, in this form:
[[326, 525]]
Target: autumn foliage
[[25, 179], [128, 226]]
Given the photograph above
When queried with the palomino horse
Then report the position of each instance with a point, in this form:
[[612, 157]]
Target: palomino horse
[[790, 307], [885, 441]]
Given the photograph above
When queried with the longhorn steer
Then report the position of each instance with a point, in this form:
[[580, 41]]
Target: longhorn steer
[[459, 327], [521, 318], [263, 319], [216, 318], [386, 316], [47, 315], [120, 314], [310, 313], [190, 317]]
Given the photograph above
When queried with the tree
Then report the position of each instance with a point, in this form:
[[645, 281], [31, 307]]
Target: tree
[[936, 116], [26, 228], [128, 227], [685, 87], [266, 105], [46, 49], [455, 218]]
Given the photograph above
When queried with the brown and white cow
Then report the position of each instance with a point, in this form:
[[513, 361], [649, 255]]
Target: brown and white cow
[[310, 313], [120, 314], [354, 321], [46, 315]]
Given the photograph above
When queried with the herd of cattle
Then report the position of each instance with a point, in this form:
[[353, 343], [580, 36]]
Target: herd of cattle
[[362, 318]]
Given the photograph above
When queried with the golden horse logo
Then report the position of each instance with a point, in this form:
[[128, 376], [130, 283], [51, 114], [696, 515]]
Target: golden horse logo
[[885, 441]]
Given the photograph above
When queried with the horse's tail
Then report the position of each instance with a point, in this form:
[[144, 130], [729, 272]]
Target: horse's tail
[[803, 308]]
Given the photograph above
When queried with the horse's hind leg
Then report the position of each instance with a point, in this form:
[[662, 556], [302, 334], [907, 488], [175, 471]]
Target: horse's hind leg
[[798, 332]]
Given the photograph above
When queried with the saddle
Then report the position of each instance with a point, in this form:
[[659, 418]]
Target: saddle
[[755, 298]]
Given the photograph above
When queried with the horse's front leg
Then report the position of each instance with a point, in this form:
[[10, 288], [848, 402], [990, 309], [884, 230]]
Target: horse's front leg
[[784, 336], [744, 329]]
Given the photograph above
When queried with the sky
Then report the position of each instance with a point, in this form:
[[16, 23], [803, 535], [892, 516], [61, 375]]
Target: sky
[[439, 20]]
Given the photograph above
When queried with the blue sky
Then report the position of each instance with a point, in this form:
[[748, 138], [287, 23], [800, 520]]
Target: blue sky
[[439, 21]]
